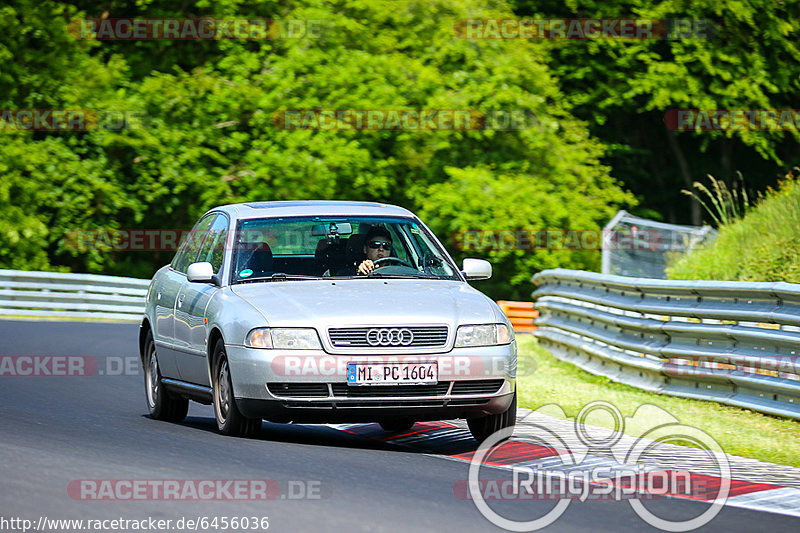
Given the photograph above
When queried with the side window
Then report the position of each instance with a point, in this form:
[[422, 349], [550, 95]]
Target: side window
[[188, 252], [213, 249]]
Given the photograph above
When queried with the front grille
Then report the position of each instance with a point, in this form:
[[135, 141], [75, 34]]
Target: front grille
[[343, 390], [298, 390], [357, 337], [479, 386]]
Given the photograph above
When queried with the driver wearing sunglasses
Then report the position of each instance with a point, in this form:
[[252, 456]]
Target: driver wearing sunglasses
[[377, 245]]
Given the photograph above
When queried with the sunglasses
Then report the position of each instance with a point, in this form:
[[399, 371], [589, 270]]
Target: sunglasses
[[380, 244]]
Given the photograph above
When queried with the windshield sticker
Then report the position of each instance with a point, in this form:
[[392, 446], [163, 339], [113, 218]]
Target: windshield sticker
[[246, 273]]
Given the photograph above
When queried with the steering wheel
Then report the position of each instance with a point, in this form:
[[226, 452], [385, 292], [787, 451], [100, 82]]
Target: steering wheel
[[393, 260]]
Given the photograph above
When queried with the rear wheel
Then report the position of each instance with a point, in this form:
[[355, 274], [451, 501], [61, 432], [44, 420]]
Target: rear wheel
[[230, 421], [483, 427], [397, 425], [161, 403]]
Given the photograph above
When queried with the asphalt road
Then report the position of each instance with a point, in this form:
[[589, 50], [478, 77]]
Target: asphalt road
[[56, 430]]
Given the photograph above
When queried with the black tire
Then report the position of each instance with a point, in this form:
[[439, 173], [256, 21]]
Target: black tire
[[230, 421], [162, 404], [397, 425], [483, 427]]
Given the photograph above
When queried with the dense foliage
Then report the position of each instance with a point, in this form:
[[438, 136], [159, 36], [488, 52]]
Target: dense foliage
[[200, 129], [741, 56]]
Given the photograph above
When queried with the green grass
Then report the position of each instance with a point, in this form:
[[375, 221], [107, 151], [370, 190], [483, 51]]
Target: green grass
[[542, 379], [763, 246]]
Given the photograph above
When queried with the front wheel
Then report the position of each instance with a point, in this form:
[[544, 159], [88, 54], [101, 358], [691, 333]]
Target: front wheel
[[161, 404], [483, 427], [230, 421]]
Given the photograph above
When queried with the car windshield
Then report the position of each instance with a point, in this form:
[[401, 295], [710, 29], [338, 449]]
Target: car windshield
[[291, 248]]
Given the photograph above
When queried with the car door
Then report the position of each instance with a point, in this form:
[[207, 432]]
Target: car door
[[190, 329], [165, 293], [187, 256]]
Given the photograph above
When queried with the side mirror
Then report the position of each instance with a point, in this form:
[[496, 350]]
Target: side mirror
[[200, 272], [475, 269]]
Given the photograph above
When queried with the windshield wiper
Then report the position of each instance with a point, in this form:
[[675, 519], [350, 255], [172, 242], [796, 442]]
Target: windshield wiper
[[278, 276]]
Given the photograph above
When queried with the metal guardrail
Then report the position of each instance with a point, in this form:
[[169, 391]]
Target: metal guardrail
[[736, 343], [59, 295], [732, 342]]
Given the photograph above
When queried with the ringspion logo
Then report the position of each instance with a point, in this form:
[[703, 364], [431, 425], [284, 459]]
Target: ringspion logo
[[570, 471]]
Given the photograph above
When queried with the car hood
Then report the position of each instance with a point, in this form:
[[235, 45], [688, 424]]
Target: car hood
[[338, 303]]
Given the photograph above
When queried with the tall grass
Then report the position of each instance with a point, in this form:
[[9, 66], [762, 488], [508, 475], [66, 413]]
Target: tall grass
[[760, 243], [724, 205]]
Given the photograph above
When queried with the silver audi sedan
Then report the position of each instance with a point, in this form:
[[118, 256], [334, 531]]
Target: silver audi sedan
[[320, 312]]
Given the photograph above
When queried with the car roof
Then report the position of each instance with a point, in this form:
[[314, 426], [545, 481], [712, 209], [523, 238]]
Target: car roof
[[311, 208]]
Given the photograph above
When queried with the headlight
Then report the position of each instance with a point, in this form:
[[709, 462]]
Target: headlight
[[483, 335], [284, 338]]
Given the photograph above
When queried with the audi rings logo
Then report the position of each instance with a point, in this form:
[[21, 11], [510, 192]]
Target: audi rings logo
[[390, 337]]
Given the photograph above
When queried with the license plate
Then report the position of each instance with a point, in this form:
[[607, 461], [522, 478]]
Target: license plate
[[392, 373]]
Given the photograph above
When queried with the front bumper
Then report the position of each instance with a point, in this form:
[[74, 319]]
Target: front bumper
[[319, 412], [311, 386]]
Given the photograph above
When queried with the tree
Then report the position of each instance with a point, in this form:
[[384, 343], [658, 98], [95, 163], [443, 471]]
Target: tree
[[206, 134], [624, 88]]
